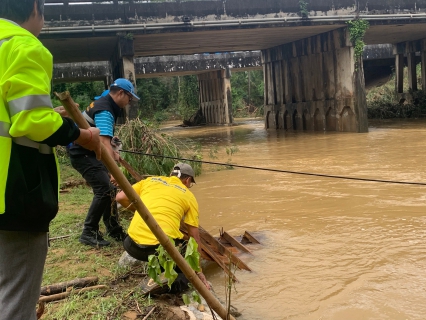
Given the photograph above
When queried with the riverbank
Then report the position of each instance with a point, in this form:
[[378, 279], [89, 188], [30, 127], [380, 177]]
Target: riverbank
[[68, 259]]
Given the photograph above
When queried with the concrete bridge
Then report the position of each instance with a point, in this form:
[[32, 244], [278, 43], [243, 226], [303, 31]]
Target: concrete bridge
[[308, 59], [160, 66]]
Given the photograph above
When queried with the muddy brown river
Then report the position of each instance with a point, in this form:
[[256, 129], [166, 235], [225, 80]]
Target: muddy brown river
[[332, 249]]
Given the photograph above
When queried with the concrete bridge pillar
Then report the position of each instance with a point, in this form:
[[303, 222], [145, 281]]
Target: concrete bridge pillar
[[423, 60], [409, 49], [215, 96], [123, 66], [314, 84]]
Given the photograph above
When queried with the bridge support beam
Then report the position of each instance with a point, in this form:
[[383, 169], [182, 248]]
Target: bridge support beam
[[409, 49], [122, 66], [315, 84], [215, 96]]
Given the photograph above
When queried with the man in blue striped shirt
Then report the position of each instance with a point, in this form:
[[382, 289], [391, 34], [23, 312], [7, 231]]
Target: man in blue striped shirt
[[102, 114]]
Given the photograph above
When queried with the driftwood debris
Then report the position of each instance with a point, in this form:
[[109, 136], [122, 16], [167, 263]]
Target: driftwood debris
[[60, 237], [224, 250], [63, 295], [226, 238], [62, 286], [248, 238]]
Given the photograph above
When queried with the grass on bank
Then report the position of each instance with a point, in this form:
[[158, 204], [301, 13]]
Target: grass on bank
[[384, 103], [68, 259]]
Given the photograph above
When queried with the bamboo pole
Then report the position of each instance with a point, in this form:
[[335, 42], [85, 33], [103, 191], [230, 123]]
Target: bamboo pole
[[134, 198]]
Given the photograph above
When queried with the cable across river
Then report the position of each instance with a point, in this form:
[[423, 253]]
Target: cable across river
[[280, 171]]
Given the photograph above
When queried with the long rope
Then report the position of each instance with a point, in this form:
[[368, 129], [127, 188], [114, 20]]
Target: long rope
[[280, 171]]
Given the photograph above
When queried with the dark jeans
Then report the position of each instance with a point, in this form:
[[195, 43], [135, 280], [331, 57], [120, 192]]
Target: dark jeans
[[103, 203], [141, 252]]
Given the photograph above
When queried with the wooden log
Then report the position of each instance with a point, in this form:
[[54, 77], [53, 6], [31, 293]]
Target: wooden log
[[144, 213], [233, 242], [63, 295], [250, 238], [222, 249], [218, 260], [62, 286], [216, 248]]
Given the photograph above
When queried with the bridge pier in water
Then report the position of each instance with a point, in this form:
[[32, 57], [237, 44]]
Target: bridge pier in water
[[314, 84], [215, 96], [409, 49]]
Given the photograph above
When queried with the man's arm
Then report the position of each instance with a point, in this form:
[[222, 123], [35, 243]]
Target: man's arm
[[124, 201], [105, 122], [194, 232], [106, 140]]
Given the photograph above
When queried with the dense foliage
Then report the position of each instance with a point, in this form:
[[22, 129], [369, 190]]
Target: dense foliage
[[138, 136], [384, 103], [176, 97]]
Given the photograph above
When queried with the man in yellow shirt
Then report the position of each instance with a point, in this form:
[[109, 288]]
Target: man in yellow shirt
[[169, 200]]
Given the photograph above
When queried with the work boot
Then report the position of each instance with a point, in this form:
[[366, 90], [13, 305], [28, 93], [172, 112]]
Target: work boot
[[93, 238], [117, 234], [149, 286]]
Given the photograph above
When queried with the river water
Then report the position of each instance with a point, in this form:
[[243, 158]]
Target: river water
[[331, 249]]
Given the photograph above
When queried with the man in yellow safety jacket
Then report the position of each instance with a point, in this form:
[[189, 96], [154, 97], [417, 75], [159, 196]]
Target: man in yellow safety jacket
[[29, 129]]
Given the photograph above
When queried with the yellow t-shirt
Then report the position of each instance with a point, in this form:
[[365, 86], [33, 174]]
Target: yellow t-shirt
[[168, 200]]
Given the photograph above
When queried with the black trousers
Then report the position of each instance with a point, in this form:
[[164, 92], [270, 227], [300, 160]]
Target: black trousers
[[103, 204], [141, 252]]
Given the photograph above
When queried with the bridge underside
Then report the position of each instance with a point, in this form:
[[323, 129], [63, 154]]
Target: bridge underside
[[315, 84], [310, 77]]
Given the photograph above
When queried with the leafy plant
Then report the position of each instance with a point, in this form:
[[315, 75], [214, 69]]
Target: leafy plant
[[303, 5], [163, 260], [141, 136], [357, 29], [213, 152]]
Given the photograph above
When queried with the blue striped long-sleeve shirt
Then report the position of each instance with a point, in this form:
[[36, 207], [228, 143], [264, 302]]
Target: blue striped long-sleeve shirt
[[105, 122]]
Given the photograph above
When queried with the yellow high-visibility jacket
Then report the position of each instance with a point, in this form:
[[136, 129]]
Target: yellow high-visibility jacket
[[29, 128]]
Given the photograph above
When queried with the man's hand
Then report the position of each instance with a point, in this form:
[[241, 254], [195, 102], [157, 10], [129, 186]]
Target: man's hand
[[63, 112], [113, 181], [89, 139], [203, 279], [116, 156]]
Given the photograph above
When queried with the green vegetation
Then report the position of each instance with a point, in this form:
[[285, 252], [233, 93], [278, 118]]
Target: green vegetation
[[247, 93], [83, 93], [384, 103], [139, 136], [68, 259], [175, 97], [303, 5], [163, 260], [357, 29]]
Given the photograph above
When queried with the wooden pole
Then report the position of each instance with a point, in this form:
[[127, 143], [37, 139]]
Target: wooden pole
[[134, 198], [63, 295], [62, 286]]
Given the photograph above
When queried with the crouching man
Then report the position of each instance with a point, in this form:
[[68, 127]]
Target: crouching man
[[169, 200]]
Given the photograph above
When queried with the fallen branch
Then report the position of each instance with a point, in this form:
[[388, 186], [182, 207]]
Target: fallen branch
[[40, 309], [62, 286], [60, 237], [63, 295], [149, 313]]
